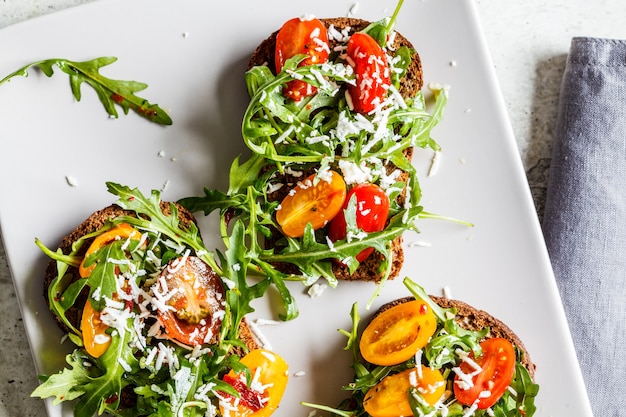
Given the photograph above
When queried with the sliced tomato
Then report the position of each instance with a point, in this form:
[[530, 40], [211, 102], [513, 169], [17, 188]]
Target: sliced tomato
[[372, 72], [396, 334], [372, 209], [121, 231], [301, 36], [497, 363], [195, 298], [95, 338], [269, 379], [390, 397], [311, 203]]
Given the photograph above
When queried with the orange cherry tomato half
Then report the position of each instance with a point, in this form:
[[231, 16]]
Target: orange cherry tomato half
[[371, 70], [311, 203], [497, 363], [372, 209], [95, 338], [269, 379], [301, 36], [196, 298], [390, 397], [121, 231], [396, 334]]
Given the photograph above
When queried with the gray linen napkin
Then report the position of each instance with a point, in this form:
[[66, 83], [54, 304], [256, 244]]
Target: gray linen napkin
[[585, 215]]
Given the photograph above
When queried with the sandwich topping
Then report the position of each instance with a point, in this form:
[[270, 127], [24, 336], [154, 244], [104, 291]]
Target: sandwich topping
[[158, 327], [329, 182], [415, 359]]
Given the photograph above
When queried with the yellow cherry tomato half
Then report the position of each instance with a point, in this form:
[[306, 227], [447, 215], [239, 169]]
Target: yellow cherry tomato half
[[390, 397], [311, 202], [396, 334], [95, 338], [121, 231], [269, 379]]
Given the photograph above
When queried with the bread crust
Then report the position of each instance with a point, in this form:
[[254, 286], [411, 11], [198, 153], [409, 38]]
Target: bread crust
[[95, 222], [410, 85], [471, 318]]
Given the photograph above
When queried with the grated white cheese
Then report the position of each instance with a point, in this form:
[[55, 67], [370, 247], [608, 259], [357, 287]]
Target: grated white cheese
[[355, 174], [434, 164], [266, 322], [124, 365], [420, 244], [259, 336], [316, 290]]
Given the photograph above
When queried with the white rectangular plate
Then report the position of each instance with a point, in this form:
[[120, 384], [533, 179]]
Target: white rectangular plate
[[192, 54]]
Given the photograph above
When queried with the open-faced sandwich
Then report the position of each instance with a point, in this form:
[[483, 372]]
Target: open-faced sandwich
[[158, 325], [432, 356], [335, 113]]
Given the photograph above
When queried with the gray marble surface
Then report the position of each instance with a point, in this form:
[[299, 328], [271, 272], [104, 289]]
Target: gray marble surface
[[528, 42]]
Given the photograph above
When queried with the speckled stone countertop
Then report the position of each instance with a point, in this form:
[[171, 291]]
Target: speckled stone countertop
[[528, 42]]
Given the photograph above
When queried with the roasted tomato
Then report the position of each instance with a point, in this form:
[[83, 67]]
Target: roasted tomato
[[486, 384], [121, 231], [194, 301], [372, 209], [311, 203], [301, 36], [396, 334], [390, 397], [373, 76], [261, 398]]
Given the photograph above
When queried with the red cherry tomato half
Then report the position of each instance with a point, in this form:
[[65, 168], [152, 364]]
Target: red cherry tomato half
[[497, 363], [301, 36], [196, 297], [372, 209], [373, 76], [311, 203]]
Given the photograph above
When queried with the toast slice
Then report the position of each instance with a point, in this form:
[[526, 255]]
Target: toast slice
[[410, 86], [94, 223]]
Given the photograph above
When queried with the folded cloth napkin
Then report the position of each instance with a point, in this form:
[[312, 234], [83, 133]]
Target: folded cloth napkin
[[585, 215]]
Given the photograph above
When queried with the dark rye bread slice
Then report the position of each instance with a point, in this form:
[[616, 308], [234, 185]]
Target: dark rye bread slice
[[471, 318], [410, 85], [95, 222]]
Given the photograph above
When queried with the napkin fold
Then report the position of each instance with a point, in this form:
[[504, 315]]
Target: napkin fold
[[585, 215]]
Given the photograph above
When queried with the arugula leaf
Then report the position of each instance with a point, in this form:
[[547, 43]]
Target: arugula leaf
[[104, 391], [151, 217], [102, 278], [67, 384], [97, 385], [110, 92], [240, 296]]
